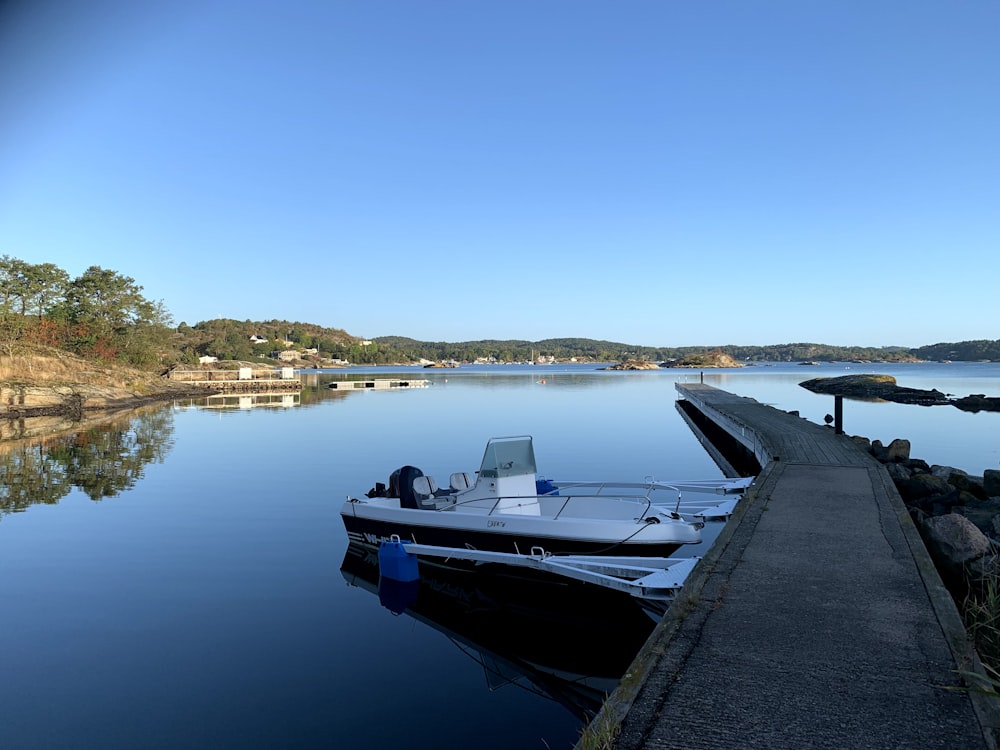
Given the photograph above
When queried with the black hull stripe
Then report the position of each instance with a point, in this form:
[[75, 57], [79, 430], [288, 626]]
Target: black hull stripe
[[371, 532]]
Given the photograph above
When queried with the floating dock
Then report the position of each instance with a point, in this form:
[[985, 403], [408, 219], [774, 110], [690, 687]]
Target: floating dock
[[817, 618], [378, 384]]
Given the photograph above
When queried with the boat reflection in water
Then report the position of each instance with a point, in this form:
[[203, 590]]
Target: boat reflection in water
[[568, 641]]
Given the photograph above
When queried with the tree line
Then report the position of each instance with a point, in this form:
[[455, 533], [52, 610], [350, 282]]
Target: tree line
[[100, 313], [103, 314]]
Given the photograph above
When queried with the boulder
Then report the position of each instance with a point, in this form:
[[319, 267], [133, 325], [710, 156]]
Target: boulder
[[898, 472], [920, 486], [968, 483], [940, 505], [862, 442], [917, 465], [954, 541], [983, 513], [944, 472], [991, 482], [898, 450]]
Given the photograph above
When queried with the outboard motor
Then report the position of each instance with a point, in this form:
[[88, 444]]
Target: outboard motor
[[405, 476]]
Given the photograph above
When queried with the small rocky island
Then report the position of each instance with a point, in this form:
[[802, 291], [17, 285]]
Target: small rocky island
[[713, 359], [633, 364], [700, 360], [884, 388]]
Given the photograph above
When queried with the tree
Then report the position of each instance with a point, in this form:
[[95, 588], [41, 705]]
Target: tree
[[12, 272], [12, 302], [112, 317], [45, 285]]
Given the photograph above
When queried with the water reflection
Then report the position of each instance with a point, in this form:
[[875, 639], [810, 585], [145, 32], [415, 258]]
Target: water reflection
[[278, 399], [575, 376], [102, 460], [568, 642]]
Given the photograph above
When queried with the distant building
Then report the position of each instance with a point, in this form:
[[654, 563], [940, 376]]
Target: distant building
[[255, 339], [207, 360]]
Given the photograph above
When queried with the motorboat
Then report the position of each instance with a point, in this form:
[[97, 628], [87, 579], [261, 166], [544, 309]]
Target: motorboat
[[507, 507]]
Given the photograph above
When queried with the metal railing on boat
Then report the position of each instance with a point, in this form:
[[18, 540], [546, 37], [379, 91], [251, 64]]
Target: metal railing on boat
[[657, 578]]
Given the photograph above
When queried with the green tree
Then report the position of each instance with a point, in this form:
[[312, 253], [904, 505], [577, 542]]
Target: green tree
[[12, 302], [45, 285], [13, 285], [112, 318]]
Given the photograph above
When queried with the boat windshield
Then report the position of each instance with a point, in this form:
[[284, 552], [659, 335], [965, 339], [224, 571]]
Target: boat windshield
[[508, 457]]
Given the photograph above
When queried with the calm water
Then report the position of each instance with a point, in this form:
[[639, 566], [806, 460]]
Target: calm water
[[182, 579]]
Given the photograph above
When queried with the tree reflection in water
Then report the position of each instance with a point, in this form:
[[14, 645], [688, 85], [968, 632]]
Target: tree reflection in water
[[102, 460]]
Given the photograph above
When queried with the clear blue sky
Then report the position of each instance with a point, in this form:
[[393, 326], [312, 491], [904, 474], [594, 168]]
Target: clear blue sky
[[661, 173]]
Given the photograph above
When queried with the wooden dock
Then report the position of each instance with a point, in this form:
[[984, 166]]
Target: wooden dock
[[241, 380], [817, 619]]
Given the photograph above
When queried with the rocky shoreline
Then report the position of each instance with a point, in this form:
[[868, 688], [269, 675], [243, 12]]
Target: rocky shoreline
[[956, 513], [884, 388], [19, 401]]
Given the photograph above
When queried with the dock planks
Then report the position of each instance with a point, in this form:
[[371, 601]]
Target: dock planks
[[816, 620]]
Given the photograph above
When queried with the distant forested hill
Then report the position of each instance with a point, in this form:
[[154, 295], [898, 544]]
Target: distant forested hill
[[229, 339], [964, 351], [516, 350], [102, 315]]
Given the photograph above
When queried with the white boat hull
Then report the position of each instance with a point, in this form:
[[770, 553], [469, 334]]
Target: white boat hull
[[371, 523]]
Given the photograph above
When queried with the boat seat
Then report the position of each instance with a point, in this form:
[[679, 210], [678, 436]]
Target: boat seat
[[426, 491], [423, 491], [461, 480]]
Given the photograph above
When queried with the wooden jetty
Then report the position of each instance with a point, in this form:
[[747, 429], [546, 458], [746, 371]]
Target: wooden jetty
[[242, 379], [817, 618]]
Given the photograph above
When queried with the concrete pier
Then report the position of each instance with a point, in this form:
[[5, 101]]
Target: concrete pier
[[817, 619]]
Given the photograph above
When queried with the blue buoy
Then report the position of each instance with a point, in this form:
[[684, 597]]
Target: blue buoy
[[396, 563], [397, 596]]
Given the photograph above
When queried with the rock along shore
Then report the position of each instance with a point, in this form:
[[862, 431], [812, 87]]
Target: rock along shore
[[20, 401], [884, 388], [957, 513]]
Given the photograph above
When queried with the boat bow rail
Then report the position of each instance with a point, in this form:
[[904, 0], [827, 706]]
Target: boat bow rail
[[691, 510]]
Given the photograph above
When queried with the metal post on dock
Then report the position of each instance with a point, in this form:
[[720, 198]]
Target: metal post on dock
[[838, 414]]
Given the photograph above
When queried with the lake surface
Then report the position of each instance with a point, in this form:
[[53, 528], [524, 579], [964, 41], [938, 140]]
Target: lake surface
[[182, 578]]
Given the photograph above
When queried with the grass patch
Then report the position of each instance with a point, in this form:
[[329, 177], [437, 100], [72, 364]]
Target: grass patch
[[601, 733], [981, 612], [52, 367]]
